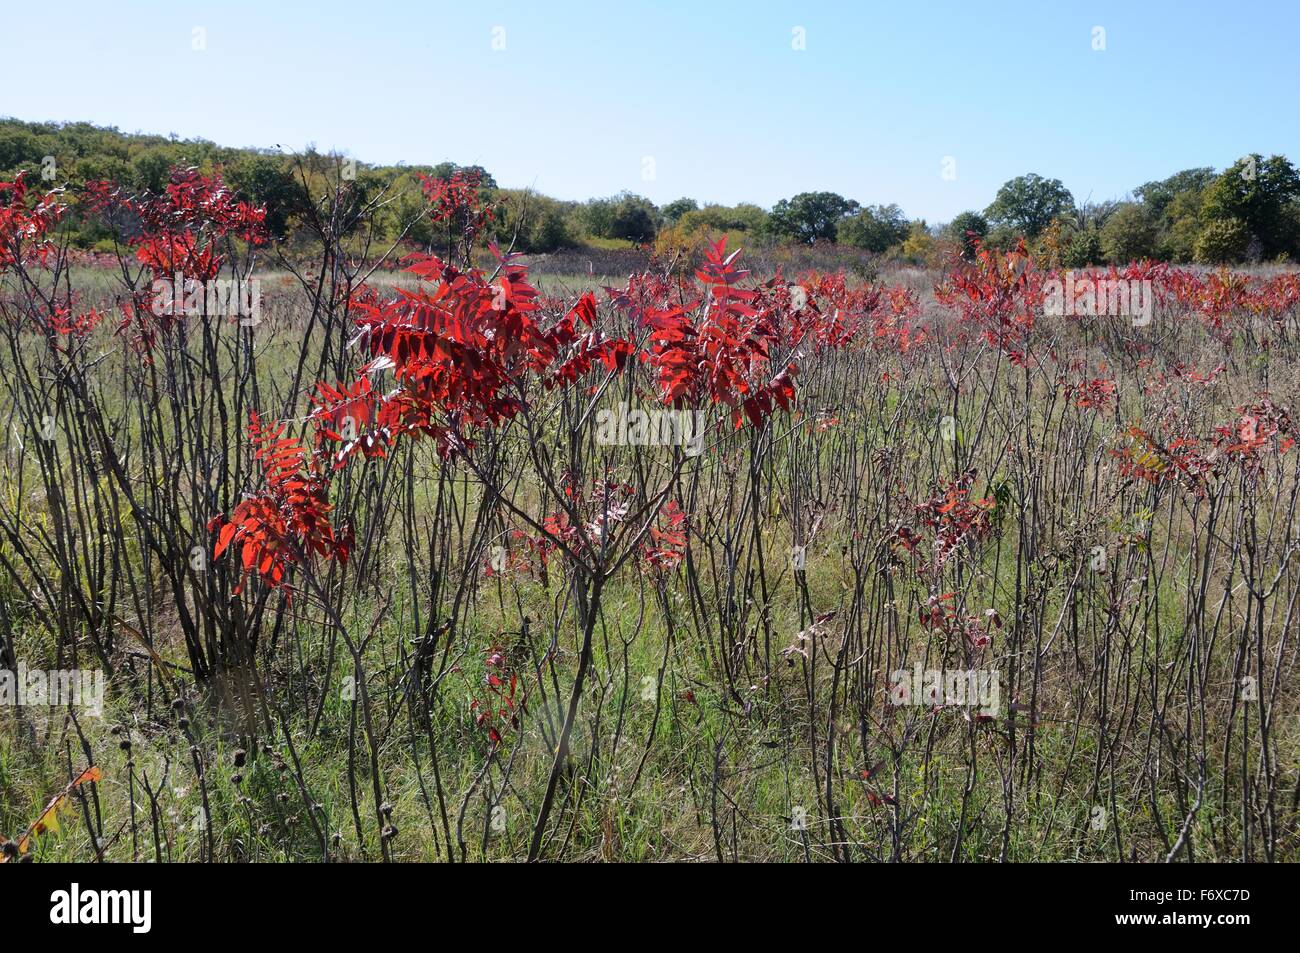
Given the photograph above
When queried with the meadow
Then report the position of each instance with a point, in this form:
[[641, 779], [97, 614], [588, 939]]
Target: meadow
[[942, 575]]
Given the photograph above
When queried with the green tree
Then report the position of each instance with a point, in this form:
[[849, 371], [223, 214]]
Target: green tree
[[597, 217], [636, 218], [536, 223], [1256, 192], [726, 218], [1001, 238], [1028, 203], [1291, 226], [627, 216], [266, 179], [1159, 196], [1222, 240], [810, 216], [1130, 234], [875, 228], [1085, 248], [1181, 226], [674, 210], [151, 169], [968, 228], [918, 243], [18, 147], [445, 170], [1174, 207]]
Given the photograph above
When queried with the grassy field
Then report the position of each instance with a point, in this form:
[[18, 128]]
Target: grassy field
[[525, 653]]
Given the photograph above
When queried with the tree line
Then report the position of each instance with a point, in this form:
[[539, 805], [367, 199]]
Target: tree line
[[1247, 212]]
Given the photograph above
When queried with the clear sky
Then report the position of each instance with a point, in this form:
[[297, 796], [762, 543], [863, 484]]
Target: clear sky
[[702, 98]]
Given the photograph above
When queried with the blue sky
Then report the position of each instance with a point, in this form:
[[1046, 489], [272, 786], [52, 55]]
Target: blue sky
[[714, 93]]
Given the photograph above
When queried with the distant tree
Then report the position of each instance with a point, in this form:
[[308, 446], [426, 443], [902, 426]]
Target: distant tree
[[674, 210], [875, 228], [1222, 240], [152, 167], [1180, 227], [968, 228], [317, 175], [1173, 206], [597, 217], [1028, 203], [810, 216], [1080, 233], [1084, 249], [268, 181], [626, 216], [744, 217], [1088, 215], [18, 147], [1001, 238], [1130, 234], [1159, 196], [550, 230], [739, 223], [747, 216], [1291, 226], [535, 223], [636, 218], [1256, 192], [445, 170], [918, 243]]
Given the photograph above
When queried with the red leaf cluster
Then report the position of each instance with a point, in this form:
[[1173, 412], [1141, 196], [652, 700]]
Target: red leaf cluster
[[24, 230], [717, 348], [288, 520]]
